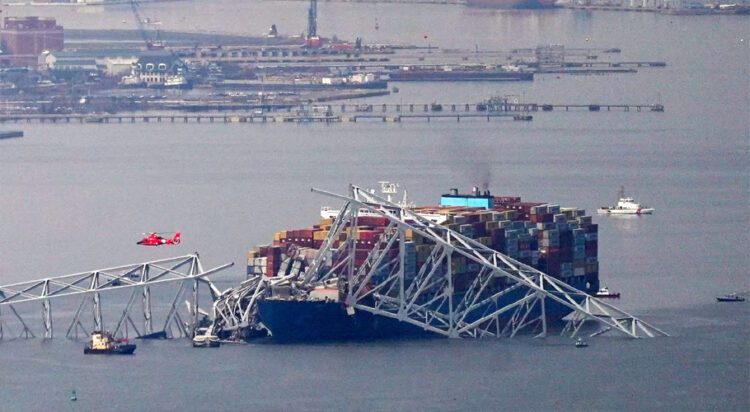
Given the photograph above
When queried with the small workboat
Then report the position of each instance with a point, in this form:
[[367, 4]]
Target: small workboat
[[580, 343], [732, 297], [105, 344], [204, 338], [606, 294]]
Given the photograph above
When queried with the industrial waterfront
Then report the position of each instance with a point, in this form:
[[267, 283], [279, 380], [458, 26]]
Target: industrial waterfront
[[77, 195]]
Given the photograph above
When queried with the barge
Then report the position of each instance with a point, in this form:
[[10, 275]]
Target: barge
[[10, 134], [457, 74]]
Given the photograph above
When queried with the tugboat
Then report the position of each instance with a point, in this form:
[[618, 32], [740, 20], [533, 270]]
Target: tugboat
[[625, 206], [106, 344], [605, 293], [732, 297]]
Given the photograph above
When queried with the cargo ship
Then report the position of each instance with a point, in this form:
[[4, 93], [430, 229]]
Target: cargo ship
[[561, 242], [457, 74], [511, 4]]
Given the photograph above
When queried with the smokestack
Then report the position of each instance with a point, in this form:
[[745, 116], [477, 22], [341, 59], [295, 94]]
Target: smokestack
[[475, 191], [454, 191]]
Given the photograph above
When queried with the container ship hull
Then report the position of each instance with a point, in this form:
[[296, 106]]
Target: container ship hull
[[560, 242], [120, 350], [511, 4], [290, 320], [307, 321]]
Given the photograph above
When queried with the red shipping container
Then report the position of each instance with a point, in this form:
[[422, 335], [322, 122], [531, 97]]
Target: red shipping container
[[272, 267], [506, 200], [373, 221]]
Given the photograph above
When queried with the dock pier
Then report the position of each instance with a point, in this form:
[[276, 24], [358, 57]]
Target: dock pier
[[386, 112]]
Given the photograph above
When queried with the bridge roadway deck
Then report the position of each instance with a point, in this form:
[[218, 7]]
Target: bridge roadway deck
[[332, 113]]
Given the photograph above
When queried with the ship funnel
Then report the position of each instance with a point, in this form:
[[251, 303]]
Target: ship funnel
[[475, 191], [454, 191]]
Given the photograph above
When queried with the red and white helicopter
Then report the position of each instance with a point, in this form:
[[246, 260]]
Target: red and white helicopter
[[156, 239]]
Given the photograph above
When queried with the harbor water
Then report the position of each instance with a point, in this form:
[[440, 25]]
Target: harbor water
[[77, 197]]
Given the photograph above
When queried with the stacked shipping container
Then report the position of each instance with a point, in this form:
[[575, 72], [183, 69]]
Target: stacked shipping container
[[561, 242]]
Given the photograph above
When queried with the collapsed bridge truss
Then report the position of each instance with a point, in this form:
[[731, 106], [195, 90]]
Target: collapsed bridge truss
[[501, 298], [92, 287]]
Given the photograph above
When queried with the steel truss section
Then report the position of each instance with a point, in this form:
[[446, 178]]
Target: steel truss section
[[235, 310], [501, 297], [91, 286]]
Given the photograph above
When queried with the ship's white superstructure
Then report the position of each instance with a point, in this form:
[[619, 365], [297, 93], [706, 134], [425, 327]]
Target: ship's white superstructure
[[388, 189]]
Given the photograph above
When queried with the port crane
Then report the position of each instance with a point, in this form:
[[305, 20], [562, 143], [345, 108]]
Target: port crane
[[151, 44]]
